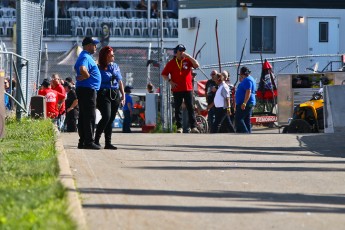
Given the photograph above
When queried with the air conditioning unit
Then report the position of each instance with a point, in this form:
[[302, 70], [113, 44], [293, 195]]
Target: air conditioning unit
[[242, 12], [189, 23]]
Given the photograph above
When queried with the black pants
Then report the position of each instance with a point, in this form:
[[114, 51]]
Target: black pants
[[71, 120], [222, 122], [108, 102], [87, 114], [187, 97]]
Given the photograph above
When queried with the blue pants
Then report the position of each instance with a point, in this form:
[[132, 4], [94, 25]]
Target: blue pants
[[126, 128], [242, 118]]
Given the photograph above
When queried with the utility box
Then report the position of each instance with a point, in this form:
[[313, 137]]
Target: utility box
[[294, 89], [38, 107], [151, 108]]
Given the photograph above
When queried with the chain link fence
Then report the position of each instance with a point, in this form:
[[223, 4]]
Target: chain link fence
[[280, 65], [138, 65], [23, 70], [133, 62]]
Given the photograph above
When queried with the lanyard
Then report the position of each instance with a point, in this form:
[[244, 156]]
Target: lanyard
[[179, 65]]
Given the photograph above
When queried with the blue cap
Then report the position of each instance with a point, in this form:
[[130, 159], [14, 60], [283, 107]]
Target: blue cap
[[90, 40]]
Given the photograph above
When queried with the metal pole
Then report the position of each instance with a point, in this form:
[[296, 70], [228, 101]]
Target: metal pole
[[56, 9], [19, 52], [149, 66], [219, 63]]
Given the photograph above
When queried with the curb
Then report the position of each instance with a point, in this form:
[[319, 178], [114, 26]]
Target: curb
[[66, 178]]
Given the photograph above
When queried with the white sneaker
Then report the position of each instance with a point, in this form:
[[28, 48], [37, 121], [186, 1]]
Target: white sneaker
[[195, 130], [179, 130]]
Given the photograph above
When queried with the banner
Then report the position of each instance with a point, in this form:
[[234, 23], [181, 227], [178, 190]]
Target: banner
[[105, 34]]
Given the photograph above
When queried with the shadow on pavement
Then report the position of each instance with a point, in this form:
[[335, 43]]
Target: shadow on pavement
[[329, 145], [272, 202]]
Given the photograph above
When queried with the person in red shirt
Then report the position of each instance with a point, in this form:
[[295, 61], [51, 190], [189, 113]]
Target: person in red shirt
[[57, 86], [180, 70], [52, 98]]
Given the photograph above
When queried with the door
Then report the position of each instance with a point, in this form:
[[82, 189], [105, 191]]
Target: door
[[323, 38]]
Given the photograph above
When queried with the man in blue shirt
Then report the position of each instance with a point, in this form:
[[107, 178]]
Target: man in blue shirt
[[88, 82], [245, 101]]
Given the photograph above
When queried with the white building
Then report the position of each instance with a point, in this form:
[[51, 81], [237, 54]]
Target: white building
[[275, 28]]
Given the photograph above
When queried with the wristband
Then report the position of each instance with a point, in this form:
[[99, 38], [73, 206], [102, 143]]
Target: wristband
[[244, 104]]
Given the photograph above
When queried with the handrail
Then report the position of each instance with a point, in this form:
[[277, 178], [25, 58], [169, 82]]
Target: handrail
[[17, 102], [17, 55]]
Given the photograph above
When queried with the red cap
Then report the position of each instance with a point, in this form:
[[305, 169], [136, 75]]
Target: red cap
[[266, 65]]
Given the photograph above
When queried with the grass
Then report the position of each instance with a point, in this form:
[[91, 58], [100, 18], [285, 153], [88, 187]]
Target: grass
[[31, 195]]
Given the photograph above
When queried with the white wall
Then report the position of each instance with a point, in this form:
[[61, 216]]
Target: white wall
[[291, 36], [226, 34]]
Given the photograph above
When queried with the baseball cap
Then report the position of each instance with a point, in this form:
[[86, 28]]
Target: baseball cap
[[45, 83], [90, 40], [180, 47], [128, 89], [66, 83], [244, 70], [70, 80]]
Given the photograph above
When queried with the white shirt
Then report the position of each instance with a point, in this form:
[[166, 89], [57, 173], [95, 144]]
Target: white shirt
[[222, 94]]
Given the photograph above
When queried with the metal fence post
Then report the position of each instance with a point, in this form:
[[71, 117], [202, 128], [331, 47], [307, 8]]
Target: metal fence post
[[19, 52]]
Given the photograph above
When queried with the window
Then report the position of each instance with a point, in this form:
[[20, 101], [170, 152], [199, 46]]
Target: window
[[262, 34], [323, 32]]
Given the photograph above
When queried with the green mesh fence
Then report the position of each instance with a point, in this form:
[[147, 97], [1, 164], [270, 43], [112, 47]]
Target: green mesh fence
[[31, 20]]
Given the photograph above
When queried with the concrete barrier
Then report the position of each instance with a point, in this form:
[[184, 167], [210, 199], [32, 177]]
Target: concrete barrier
[[334, 108]]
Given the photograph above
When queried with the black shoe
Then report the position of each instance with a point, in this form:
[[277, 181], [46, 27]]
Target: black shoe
[[97, 143], [92, 146], [110, 146], [80, 145]]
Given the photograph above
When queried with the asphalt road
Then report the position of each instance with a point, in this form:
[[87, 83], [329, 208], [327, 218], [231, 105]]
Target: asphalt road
[[264, 180]]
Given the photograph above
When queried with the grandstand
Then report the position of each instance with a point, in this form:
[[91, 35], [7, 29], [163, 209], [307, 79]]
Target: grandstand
[[85, 18], [132, 29]]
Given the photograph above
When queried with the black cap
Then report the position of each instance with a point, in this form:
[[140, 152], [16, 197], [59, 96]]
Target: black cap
[[69, 79], [90, 40], [66, 83], [128, 89], [45, 83], [245, 70], [179, 47]]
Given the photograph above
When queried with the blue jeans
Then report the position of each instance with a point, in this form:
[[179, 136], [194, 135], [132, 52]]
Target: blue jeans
[[242, 118], [126, 128]]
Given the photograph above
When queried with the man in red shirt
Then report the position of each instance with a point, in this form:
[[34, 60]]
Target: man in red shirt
[[180, 70], [52, 99], [57, 86]]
